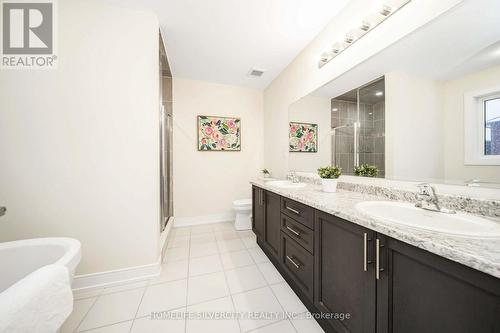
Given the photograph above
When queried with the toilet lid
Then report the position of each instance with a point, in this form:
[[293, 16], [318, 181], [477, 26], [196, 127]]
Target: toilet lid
[[242, 202]]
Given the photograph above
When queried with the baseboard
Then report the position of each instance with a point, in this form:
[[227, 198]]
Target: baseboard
[[124, 275], [164, 236], [119, 276], [207, 219]]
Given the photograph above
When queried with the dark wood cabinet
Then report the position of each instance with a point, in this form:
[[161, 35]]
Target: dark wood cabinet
[[273, 223], [421, 292], [258, 211], [299, 264], [371, 282], [344, 273]]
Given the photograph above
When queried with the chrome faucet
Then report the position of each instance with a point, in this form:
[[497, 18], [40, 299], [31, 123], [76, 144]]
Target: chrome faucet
[[429, 200], [293, 177]]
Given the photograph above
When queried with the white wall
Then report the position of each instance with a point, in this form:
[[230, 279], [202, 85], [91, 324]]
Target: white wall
[[302, 76], [454, 124], [79, 144], [206, 183], [414, 127], [316, 110]]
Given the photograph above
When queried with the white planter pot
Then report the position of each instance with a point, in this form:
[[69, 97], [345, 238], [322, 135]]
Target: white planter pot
[[329, 185]]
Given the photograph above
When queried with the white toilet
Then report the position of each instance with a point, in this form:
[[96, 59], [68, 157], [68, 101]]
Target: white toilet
[[243, 210]]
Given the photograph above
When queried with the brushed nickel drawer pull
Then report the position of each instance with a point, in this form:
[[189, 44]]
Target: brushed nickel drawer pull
[[293, 262], [377, 259], [293, 231], [365, 240], [293, 210]]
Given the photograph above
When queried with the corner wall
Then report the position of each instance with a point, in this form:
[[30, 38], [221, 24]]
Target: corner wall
[[207, 182], [79, 144]]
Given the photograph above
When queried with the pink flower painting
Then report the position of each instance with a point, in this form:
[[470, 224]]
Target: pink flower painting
[[219, 133], [303, 137]]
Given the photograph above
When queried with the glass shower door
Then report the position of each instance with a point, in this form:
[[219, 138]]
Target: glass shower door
[[358, 128]]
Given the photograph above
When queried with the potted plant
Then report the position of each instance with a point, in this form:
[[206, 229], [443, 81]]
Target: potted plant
[[266, 173], [366, 170], [329, 177]]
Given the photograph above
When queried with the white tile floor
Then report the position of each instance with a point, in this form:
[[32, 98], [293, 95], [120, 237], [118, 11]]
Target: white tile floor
[[207, 268]]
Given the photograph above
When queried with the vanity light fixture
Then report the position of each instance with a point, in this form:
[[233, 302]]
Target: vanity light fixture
[[368, 24], [386, 10], [365, 26]]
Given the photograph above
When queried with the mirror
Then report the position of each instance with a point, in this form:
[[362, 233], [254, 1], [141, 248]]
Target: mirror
[[424, 109]]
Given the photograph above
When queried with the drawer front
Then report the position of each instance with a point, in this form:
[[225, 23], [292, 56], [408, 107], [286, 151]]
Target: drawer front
[[298, 211], [299, 263], [298, 232]]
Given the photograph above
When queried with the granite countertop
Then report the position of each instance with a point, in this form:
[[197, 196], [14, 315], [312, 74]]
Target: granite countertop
[[480, 254]]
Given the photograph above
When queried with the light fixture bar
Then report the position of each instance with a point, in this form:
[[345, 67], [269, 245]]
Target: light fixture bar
[[354, 35]]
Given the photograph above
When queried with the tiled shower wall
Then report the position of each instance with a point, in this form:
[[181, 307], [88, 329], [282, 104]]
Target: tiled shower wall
[[371, 135]]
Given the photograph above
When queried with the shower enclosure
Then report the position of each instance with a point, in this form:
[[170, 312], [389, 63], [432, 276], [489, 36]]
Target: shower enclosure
[[358, 128], [166, 191]]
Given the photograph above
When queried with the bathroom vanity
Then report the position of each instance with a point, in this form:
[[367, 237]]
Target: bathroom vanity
[[377, 277]]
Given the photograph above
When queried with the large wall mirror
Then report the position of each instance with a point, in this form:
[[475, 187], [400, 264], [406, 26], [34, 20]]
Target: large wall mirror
[[425, 109]]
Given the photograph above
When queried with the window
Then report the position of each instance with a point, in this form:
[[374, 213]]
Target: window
[[482, 127], [491, 109]]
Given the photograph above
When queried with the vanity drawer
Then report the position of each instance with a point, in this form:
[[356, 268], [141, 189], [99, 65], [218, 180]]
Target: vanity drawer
[[298, 211], [298, 232], [299, 263]]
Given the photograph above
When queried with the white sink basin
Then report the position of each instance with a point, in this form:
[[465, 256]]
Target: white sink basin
[[463, 225], [285, 184]]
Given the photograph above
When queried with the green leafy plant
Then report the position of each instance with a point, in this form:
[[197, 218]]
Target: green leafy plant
[[366, 170], [266, 172], [330, 172]]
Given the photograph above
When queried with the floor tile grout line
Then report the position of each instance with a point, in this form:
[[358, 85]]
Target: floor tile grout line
[[187, 280], [230, 294], [107, 325], [282, 307], [263, 326], [138, 307], [86, 313]]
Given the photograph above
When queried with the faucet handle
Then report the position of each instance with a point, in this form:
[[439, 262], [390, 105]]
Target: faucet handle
[[424, 189]]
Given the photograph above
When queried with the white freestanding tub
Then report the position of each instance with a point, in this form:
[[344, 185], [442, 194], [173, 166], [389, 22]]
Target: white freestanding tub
[[20, 258], [35, 283]]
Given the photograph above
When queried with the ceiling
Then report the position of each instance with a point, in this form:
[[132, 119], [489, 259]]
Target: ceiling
[[462, 41], [221, 40]]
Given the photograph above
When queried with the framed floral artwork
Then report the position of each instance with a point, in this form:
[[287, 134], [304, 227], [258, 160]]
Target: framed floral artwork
[[303, 137], [219, 133]]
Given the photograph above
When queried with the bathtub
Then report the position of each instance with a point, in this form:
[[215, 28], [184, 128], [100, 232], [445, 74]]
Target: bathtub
[[35, 283], [20, 258]]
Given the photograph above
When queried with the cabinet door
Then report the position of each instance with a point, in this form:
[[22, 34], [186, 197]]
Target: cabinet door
[[273, 215], [344, 274], [421, 292], [258, 212]]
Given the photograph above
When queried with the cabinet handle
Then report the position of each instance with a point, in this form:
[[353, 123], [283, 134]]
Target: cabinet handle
[[365, 245], [377, 258], [365, 251], [293, 210], [262, 197], [293, 231], [293, 262]]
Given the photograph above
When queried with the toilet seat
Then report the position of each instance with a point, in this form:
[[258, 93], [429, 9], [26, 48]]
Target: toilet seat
[[242, 202]]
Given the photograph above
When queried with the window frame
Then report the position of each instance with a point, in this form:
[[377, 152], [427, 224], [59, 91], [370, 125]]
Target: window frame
[[475, 127]]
